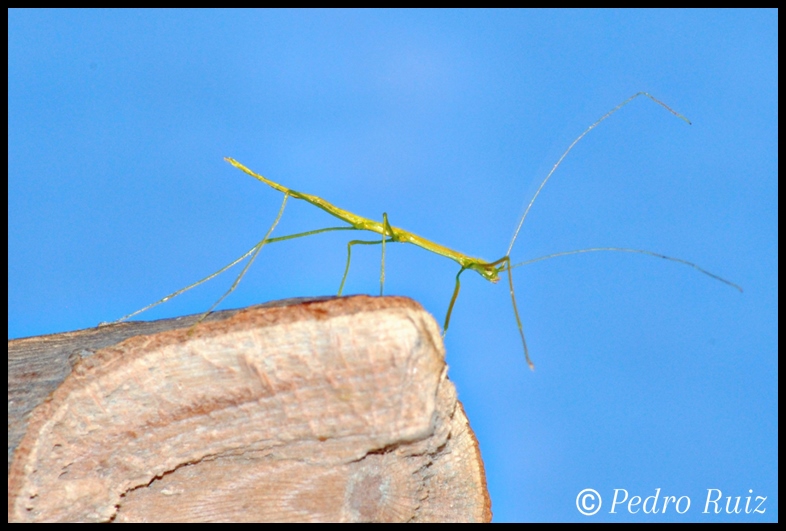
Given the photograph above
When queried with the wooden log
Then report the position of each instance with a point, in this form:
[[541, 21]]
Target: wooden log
[[324, 410]]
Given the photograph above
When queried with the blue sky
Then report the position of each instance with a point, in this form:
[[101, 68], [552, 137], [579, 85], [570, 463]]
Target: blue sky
[[649, 375]]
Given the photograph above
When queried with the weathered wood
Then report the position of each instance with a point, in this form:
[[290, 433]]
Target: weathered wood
[[325, 410]]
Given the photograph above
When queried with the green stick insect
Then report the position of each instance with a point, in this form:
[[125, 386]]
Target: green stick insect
[[389, 234]]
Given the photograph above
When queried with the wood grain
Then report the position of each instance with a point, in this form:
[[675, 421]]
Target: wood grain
[[323, 410]]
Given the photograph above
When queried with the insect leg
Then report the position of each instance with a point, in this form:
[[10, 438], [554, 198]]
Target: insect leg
[[516, 313], [250, 261], [253, 250], [452, 302], [385, 228], [349, 257]]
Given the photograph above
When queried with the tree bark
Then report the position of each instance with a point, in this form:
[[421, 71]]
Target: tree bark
[[318, 410]]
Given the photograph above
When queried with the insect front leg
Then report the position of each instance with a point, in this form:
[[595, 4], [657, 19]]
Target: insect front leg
[[506, 261], [452, 302]]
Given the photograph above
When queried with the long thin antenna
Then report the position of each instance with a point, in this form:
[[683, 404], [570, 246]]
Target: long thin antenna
[[626, 250], [582, 135]]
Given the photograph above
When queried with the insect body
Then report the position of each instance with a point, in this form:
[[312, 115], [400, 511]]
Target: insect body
[[391, 234]]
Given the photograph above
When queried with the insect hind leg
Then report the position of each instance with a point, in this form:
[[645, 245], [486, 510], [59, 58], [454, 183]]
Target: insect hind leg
[[254, 254]]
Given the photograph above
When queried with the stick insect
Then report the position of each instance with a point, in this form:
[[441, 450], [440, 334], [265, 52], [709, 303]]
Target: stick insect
[[489, 270]]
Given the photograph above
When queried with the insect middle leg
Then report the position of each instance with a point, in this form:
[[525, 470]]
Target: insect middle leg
[[388, 229]]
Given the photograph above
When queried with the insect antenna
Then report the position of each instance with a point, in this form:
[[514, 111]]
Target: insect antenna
[[582, 135]]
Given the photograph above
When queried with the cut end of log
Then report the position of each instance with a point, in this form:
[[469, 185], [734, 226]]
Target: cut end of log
[[330, 410]]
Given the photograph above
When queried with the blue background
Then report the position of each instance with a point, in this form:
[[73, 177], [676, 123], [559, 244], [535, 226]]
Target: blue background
[[649, 375]]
